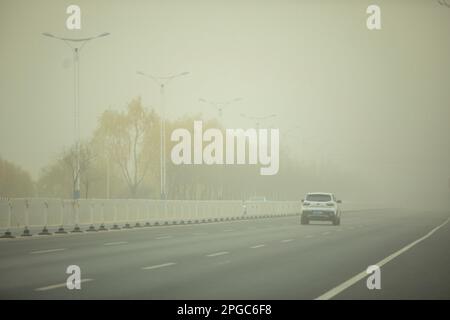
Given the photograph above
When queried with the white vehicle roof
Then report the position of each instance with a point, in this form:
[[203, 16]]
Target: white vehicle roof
[[327, 193]]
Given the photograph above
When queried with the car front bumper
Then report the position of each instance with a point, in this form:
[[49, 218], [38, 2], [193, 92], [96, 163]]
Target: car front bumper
[[319, 214]]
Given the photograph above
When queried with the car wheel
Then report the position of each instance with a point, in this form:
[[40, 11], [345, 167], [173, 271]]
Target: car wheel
[[336, 221], [304, 220]]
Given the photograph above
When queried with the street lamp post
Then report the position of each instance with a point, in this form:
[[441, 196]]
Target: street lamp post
[[162, 83], [76, 45], [258, 119], [220, 106]]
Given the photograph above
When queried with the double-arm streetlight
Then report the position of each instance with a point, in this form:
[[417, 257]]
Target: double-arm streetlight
[[162, 82], [219, 105], [76, 45], [258, 119]]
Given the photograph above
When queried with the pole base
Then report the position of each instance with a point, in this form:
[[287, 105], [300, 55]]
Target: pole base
[[26, 232], [102, 228], [91, 228], [76, 229], [115, 227], [7, 234], [44, 232], [61, 230]]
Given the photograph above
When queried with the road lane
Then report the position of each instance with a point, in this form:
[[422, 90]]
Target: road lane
[[315, 259]]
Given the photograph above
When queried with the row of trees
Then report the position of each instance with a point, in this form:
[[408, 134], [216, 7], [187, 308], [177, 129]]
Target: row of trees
[[122, 160], [14, 181]]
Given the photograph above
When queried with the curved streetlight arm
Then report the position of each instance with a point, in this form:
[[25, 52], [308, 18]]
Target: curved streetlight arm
[[258, 117], [162, 81], [219, 105], [68, 41]]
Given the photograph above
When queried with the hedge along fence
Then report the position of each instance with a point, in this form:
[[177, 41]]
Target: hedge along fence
[[97, 214]]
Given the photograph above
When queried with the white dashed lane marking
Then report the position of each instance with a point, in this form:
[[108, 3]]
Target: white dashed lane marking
[[286, 240], [115, 243], [158, 266], [215, 254], [163, 237], [258, 246], [47, 251], [60, 285]]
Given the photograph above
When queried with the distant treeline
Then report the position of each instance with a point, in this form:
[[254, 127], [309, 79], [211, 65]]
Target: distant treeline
[[14, 181], [122, 160]]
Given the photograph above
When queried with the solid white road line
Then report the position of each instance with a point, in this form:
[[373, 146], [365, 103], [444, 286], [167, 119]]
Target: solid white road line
[[163, 237], [115, 243], [47, 251], [286, 240], [258, 246], [61, 285], [333, 292], [159, 266], [221, 253]]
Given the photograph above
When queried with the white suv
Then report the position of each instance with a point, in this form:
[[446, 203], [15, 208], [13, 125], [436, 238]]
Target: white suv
[[321, 206]]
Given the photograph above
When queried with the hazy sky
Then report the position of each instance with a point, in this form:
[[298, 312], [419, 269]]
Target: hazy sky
[[376, 101]]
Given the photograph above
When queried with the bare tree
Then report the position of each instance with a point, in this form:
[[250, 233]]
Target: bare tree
[[129, 139], [444, 3], [86, 156]]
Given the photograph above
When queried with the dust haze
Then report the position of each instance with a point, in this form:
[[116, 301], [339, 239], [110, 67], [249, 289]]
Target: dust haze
[[364, 114]]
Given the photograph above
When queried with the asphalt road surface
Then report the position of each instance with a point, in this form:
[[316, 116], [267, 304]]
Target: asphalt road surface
[[272, 258]]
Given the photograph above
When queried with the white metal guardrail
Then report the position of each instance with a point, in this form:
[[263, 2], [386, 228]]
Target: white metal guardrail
[[99, 214]]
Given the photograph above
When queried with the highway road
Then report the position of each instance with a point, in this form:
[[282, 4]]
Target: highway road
[[271, 258]]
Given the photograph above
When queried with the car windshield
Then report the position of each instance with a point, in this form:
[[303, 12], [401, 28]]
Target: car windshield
[[318, 197]]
